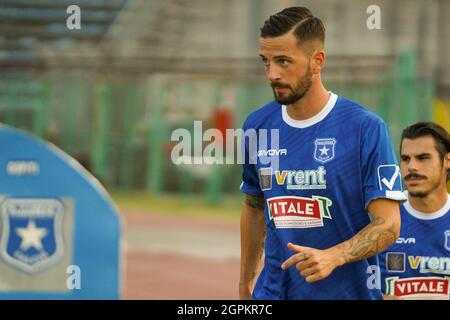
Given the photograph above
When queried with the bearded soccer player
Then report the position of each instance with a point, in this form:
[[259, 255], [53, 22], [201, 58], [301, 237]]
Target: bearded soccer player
[[330, 204], [418, 265]]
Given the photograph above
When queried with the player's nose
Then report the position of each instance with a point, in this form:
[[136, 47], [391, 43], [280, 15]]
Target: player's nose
[[412, 165], [273, 73]]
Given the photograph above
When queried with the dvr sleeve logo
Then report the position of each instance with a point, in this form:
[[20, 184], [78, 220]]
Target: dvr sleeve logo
[[31, 235]]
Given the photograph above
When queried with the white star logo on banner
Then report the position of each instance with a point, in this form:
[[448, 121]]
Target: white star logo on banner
[[31, 236]]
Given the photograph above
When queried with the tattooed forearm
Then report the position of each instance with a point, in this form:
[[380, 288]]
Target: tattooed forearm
[[255, 202], [371, 240]]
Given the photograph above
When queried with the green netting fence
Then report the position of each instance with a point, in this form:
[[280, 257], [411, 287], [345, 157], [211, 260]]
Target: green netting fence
[[119, 127]]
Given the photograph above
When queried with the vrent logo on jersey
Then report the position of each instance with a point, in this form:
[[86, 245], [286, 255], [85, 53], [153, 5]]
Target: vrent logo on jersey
[[390, 181], [437, 265], [302, 179], [418, 288], [298, 212], [31, 233]]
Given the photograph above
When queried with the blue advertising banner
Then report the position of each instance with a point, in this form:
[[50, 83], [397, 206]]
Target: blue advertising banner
[[60, 234]]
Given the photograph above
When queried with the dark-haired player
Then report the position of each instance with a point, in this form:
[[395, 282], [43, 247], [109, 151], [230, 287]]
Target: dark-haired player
[[330, 204], [417, 266]]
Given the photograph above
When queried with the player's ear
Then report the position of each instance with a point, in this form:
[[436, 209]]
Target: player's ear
[[447, 160], [317, 61]]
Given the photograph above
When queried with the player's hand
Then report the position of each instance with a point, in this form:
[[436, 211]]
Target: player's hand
[[312, 264]]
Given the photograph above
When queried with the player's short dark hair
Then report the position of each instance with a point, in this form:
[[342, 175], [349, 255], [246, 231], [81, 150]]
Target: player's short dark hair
[[306, 26], [438, 133]]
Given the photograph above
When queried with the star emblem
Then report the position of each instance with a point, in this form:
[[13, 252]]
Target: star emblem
[[31, 236], [324, 151]]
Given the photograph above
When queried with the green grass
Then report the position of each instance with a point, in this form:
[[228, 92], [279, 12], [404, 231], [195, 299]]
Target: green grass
[[229, 208]]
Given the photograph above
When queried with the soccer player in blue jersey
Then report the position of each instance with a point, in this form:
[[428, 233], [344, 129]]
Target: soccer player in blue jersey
[[323, 202], [417, 266]]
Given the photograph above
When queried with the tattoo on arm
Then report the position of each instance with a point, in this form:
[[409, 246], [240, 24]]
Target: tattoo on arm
[[371, 240], [255, 202]]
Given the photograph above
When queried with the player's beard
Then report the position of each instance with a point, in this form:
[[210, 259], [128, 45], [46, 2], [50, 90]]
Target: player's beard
[[298, 92], [424, 193]]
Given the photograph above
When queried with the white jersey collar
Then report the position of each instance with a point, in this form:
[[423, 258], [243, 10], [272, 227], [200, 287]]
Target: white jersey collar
[[313, 120], [427, 216]]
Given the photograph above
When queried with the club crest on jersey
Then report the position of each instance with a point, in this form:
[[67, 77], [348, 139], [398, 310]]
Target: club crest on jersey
[[31, 235], [299, 212], [324, 149]]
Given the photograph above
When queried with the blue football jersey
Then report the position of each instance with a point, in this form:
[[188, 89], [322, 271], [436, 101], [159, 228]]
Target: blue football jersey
[[417, 266], [317, 177]]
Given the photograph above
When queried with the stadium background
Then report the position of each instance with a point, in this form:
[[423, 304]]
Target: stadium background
[[111, 94]]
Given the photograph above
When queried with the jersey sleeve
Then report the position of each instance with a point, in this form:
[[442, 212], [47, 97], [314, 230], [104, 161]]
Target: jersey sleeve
[[381, 176], [250, 181]]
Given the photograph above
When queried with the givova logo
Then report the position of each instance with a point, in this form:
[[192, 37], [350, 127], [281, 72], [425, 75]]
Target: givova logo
[[31, 235], [401, 240], [272, 152]]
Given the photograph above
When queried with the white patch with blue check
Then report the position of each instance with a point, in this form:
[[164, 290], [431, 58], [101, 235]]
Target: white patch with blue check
[[390, 181]]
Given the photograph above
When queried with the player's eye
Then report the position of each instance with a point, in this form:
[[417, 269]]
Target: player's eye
[[265, 62], [283, 62], [404, 158]]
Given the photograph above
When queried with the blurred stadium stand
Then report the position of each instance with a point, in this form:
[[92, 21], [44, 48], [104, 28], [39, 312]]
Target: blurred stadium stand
[[111, 93], [32, 31]]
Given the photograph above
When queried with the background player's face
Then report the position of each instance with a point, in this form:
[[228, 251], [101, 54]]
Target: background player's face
[[288, 67], [422, 169]]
